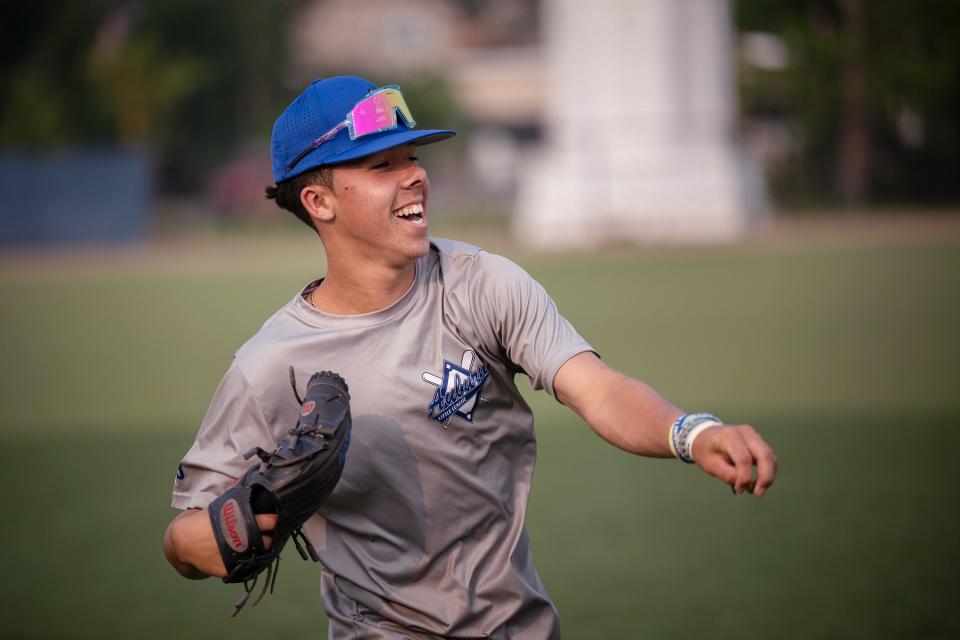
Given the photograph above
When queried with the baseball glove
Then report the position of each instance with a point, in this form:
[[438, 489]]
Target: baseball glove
[[292, 482]]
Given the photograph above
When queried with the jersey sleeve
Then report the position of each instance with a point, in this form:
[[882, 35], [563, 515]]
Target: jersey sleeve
[[520, 317], [233, 425]]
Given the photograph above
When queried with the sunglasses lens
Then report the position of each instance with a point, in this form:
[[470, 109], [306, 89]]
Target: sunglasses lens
[[378, 113]]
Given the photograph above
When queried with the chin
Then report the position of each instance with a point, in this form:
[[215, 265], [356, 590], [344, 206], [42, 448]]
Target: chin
[[410, 251], [420, 249]]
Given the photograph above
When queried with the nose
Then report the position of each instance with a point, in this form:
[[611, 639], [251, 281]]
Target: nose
[[416, 175]]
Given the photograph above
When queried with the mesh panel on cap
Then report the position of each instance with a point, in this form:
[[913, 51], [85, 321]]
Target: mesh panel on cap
[[294, 126]]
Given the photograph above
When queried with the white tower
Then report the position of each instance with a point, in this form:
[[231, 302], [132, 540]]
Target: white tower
[[640, 123]]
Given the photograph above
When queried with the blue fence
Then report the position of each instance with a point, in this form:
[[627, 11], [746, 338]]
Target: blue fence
[[72, 197]]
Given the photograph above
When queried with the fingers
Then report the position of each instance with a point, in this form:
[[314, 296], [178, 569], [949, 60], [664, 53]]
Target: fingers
[[731, 452], [743, 463], [766, 460], [266, 523], [717, 462]]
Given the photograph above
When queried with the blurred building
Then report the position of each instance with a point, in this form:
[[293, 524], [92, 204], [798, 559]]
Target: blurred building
[[404, 37], [382, 36], [615, 121], [641, 118]]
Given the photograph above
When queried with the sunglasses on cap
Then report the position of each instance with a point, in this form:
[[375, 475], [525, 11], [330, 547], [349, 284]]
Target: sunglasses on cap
[[375, 113]]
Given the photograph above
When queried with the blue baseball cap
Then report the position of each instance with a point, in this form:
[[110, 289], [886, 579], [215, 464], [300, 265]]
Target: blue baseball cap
[[319, 109]]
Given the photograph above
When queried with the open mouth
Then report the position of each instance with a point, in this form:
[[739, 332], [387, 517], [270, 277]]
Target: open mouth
[[411, 213]]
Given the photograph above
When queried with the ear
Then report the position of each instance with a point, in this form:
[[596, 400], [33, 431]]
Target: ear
[[319, 202]]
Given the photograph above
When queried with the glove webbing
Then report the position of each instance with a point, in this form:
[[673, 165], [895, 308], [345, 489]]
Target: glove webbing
[[273, 569]]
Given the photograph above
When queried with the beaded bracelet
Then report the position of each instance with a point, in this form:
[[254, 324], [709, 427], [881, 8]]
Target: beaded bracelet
[[685, 430]]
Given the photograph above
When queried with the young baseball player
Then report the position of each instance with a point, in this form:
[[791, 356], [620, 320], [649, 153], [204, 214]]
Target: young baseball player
[[424, 534]]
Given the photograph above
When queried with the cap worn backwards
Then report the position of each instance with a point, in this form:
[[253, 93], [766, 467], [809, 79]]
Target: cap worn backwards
[[321, 107]]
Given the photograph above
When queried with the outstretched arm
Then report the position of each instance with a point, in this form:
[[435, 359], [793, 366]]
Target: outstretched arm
[[630, 415]]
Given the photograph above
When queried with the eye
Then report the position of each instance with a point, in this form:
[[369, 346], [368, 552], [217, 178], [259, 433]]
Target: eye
[[381, 165], [414, 159]]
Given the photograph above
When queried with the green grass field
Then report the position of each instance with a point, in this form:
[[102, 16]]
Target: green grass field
[[843, 353]]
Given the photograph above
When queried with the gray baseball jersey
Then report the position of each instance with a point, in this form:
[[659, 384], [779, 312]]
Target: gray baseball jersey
[[424, 535]]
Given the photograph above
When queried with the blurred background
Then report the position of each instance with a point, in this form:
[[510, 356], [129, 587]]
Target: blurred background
[[752, 205]]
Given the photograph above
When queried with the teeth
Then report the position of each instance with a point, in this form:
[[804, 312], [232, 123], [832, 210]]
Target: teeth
[[409, 210]]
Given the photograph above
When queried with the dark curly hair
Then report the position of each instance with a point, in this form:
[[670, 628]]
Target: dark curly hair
[[287, 193]]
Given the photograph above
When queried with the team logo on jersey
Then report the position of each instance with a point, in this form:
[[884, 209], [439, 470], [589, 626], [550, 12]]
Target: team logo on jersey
[[458, 390]]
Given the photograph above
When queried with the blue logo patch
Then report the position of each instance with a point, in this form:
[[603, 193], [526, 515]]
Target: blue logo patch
[[458, 390], [180, 474]]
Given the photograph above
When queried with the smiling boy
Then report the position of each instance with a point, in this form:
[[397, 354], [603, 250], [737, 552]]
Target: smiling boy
[[424, 535]]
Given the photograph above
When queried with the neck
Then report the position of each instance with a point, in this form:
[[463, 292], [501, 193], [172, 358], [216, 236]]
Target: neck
[[354, 290]]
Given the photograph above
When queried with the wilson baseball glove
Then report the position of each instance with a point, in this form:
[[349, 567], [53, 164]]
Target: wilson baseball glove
[[292, 481]]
